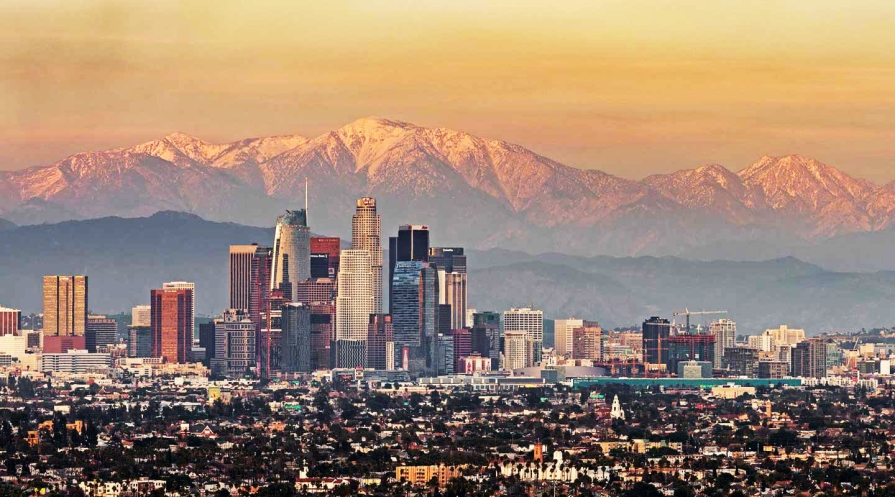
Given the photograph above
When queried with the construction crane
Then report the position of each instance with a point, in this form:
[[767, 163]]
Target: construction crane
[[688, 313]]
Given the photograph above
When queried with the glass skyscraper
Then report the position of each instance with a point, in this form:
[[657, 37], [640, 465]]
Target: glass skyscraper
[[414, 303], [291, 251]]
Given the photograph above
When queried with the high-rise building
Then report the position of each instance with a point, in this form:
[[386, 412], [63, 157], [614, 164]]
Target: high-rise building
[[65, 305], [741, 361], [379, 334], [207, 341], [462, 345], [9, 321], [451, 265], [411, 244], [139, 341], [773, 369], [191, 287], [530, 321], [365, 235], [101, 331], [562, 335], [354, 302], [234, 349], [444, 355], [586, 341], [259, 288], [141, 315], [691, 347], [784, 335], [655, 340], [330, 247], [443, 318], [316, 290], [291, 251], [516, 345], [809, 359], [486, 318], [725, 332], [241, 275], [296, 341], [414, 301], [323, 318], [486, 342], [171, 324]]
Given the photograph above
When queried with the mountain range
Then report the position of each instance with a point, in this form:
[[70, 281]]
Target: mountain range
[[472, 191], [125, 258]]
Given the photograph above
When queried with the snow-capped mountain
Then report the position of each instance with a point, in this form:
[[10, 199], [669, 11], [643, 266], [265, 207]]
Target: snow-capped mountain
[[470, 190]]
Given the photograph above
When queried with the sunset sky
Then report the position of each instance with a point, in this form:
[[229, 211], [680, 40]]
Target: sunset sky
[[629, 87]]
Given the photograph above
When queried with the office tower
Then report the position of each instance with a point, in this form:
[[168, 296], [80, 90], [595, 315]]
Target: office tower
[[785, 335], [291, 251], [443, 318], [462, 344], [380, 333], [259, 288], [241, 275], [139, 341], [319, 266], [65, 305], [586, 341], [9, 321], [725, 332], [191, 287], [350, 354], [486, 342], [330, 247], [101, 331], [316, 290], [414, 300], [234, 349], [741, 361], [773, 369], [354, 302], [444, 355], [655, 340], [141, 315], [486, 318], [516, 345], [528, 320], [296, 341], [172, 323], [470, 313], [834, 355], [809, 359], [562, 335], [683, 348], [207, 341], [365, 235], [411, 244], [323, 319], [451, 265]]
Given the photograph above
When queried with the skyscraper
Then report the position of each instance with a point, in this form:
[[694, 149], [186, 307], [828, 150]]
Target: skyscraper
[[414, 301], [234, 349], [141, 315], [683, 348], [9, 321], [191, 319], [354, 304], [380, 334], [725, 332], [101, 331], [451, 265], [365, 235], [241, 275], [328, 247], [809, 359], [171, 324], [259, 286], [65, 305], [586, 341], [530, 321], [411, 244], [563, 340], [316, 290], [655, 340], [291, 250], [296, 341], [516, 347]]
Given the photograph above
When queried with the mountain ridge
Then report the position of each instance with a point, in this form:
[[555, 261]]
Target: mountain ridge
[[449, 179]]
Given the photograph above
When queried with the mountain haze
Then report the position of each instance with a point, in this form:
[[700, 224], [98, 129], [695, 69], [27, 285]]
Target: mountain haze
[[474, 191]]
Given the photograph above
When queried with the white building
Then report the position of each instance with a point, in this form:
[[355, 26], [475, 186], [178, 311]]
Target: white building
[[355, 301], [725, 332], [530, 321], [141, 315], [562, 334], [516, 345], [366, 235], [14, 345], [74, 361]]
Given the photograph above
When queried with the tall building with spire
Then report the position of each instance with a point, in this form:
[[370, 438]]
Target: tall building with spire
[[65, 305], [291, 251], [366, 235]]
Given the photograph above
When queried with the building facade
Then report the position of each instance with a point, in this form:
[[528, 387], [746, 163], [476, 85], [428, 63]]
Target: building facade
[[366, 235], [809, 359], [656, 331], [296, 341], [380, 333], [186, 285], [65, 305], [291, 252], [530, 321], [562, 335], [141, 315], [725, 332], [587, 341], [9, 321], [171, 323], [414, 303], [101, 331], [235, 352], [411, 244]]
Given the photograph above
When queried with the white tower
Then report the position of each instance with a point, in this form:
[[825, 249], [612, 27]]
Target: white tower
[[617, 412]]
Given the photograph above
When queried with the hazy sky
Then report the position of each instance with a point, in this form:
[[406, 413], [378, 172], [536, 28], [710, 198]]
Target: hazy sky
[[629, 87]]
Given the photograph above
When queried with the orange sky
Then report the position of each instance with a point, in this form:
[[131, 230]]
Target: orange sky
[[629, 87]]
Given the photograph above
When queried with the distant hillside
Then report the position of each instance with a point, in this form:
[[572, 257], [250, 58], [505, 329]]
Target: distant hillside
[[6, 225], [125, 258]]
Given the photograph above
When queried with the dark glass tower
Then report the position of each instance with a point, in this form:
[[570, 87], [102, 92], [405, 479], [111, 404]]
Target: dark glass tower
[[411, 244], [415, 305], [655, 340], [296, 340]]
